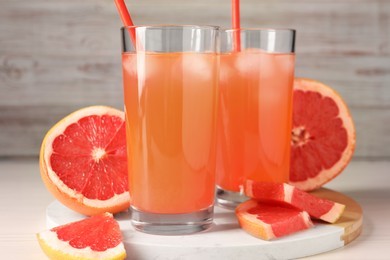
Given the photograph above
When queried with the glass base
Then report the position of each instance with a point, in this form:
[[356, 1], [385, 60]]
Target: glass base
[[172, 224], [229, 199]]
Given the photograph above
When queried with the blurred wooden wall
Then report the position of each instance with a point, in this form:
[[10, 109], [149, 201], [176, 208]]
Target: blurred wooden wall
[[58, 56]]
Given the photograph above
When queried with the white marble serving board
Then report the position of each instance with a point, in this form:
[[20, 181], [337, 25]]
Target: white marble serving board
[[225, 240]]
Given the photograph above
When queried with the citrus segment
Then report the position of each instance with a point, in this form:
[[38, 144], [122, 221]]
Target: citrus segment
[[97, 237], [83, 161], [319, 208], [267, 221], [323, 135]]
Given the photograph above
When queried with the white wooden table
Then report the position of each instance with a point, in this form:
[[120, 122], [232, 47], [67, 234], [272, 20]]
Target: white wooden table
[[23, 200]]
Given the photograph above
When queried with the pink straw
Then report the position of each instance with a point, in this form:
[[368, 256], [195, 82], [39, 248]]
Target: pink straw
[[236, 24], [125, 17]]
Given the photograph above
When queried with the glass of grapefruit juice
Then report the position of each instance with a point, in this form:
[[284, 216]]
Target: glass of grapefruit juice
[[170, 97], [255, 109]]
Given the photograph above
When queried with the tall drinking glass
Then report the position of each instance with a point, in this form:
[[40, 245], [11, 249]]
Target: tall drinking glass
[[170, 96], [255, 109]]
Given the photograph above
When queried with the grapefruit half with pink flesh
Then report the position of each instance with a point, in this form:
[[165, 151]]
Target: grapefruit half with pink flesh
[[323, 135], [83, 161], [97, 237], [268, 221], [319, 208]]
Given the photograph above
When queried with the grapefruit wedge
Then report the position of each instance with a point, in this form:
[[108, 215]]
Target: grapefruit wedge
[[323, 135], [83, 161], [319, 208], [97, 237], [268, 221]]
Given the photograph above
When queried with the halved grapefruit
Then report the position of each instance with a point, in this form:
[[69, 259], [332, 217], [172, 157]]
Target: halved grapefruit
[[270, 221], [97, 237], [323, 135], [83, 161]]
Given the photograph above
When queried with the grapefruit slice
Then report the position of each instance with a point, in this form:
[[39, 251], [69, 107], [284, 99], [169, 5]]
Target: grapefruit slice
[[83, 161], [319, 208], [323, 135], [267, 221], [97, 237]]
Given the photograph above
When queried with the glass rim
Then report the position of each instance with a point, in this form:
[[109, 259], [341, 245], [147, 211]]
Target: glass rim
[[259, 29], [173, 26]]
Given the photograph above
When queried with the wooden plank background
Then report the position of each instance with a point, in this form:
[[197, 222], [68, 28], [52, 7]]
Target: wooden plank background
[[60, 55]]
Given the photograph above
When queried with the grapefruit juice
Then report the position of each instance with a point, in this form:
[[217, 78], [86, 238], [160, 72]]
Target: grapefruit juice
[[170, 107], [255, 117]]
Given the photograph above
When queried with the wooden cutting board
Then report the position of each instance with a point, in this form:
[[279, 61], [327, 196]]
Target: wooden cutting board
[[351, 220], [226, 240]]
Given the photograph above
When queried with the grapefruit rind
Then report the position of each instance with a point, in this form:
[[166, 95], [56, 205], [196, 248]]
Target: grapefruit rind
[[334, 213], [328, 174], [56, 186], [251, 224]]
